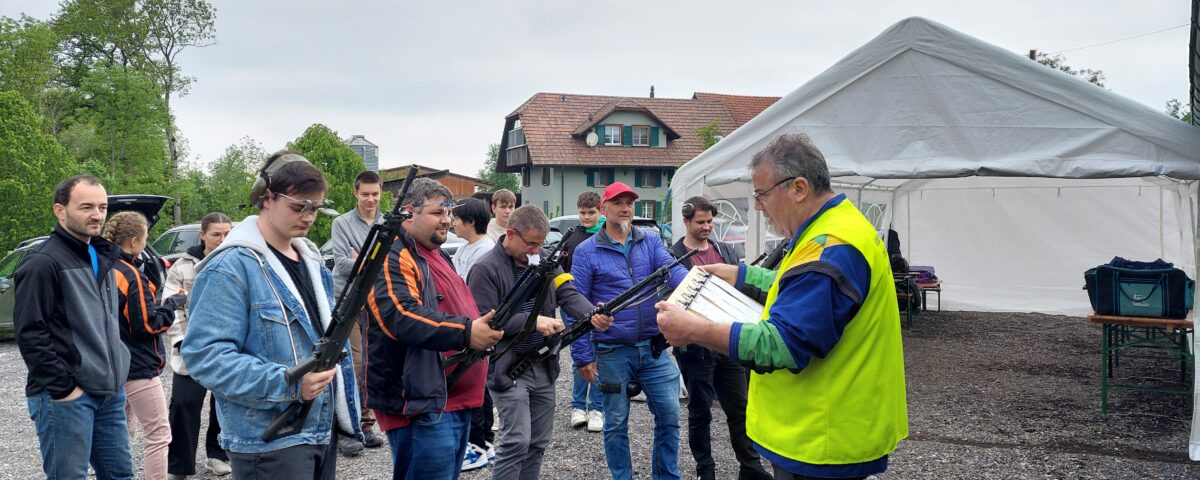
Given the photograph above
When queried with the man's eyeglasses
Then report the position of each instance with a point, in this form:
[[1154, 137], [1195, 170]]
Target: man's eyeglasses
[[759, 196], [305, 207], [527, 242], [448, 212]]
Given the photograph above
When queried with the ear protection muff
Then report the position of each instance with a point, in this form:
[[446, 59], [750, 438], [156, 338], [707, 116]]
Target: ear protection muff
[[259, 190]]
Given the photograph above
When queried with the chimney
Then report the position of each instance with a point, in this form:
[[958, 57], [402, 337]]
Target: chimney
[[652, 91]]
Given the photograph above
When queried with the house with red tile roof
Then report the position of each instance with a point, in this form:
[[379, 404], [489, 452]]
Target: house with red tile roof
[[565, 144]]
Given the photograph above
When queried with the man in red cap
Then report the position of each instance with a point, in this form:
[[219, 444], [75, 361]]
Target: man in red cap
[[608, 263]]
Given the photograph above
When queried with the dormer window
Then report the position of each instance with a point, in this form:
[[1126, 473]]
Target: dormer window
[[641, 136], [612, 134]]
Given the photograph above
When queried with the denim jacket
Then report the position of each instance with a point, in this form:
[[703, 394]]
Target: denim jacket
[[246, 327]]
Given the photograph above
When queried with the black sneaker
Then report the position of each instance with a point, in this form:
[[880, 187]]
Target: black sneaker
[[349, 447], [373, 440]]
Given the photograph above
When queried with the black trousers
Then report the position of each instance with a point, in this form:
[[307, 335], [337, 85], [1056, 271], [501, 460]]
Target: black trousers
[[183, 413], [709, 375], [482, 420], [318, 462]]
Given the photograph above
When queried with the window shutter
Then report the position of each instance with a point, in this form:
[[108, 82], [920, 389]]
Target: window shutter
[[600, 134], [656, 212], [653, 136], [637, 177], [590, 175], [612, 176], [627, 136]]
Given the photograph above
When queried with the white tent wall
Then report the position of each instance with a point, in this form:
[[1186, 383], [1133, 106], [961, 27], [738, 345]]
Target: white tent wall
[[1022, 244], [922, 101]]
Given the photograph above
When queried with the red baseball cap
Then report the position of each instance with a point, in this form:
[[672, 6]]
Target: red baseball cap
[[615, 190]]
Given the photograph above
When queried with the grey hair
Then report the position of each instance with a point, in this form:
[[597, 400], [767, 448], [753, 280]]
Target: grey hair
[[424, 189], [794, 155], [529, 218]]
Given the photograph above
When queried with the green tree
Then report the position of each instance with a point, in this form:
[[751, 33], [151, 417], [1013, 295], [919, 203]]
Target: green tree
[[27, 49], [1059, 62], [128, 117], [324, 148], [501, 180], [1175, 109], [225, 186], [708, 134], [33, 163]]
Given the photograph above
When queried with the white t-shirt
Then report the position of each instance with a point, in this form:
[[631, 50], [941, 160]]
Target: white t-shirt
[[467, 255]]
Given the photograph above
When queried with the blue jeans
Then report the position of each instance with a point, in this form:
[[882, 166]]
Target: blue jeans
[[584, 395], [618, 365], [89, 428], [432, 447]]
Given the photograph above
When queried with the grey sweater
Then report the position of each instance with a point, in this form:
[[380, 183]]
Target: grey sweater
[[490, 280], [349, 233]]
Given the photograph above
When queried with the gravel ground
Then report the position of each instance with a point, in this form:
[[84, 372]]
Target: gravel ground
[[991, 395]]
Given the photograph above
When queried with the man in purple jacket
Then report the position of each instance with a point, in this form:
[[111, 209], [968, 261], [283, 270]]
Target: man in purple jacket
[[610, 262]]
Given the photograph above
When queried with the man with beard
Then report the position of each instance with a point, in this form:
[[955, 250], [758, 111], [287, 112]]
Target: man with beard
[[605, 265], [421, 308], [67, 332]]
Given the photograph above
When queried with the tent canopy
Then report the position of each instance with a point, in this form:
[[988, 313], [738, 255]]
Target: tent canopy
[[1009, 177]]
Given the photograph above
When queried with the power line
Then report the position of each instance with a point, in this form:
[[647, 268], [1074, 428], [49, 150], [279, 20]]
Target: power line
[[1121, 40]]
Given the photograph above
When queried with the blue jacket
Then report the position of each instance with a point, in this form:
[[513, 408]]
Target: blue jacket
[[602, 270], [246, 327]]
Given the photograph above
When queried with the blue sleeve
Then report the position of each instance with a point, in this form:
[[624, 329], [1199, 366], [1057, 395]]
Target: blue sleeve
[[581, 270], [815, 302]]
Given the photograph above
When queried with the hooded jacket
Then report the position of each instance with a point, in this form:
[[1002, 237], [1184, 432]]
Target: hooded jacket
[[247, 324], [66, 321], [180, 277], [142, 321], [602, 270]]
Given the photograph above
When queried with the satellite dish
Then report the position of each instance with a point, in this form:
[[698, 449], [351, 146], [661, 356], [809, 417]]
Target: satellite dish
[[592, 139]]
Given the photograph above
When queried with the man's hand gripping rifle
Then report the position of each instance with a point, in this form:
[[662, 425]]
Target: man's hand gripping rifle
[[328, 350], [637, 294], [537, 280]]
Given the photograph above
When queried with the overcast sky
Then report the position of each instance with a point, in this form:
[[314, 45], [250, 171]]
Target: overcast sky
[[431, 83]]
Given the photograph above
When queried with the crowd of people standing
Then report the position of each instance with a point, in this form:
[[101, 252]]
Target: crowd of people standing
[[815, 386]]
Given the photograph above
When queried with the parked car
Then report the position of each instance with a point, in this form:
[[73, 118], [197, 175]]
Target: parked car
[[174, 242], [148, 205], [560, 225]]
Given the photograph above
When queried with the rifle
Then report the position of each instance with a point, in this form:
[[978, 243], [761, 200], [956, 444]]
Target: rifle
[[328, 350], [535, 280], [771, 261], [635, 295]]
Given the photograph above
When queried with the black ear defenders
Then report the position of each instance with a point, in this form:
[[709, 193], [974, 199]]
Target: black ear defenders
[[259, 190]]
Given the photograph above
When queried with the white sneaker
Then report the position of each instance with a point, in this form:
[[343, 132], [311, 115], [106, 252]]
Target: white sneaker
[[218, 467], [578, 418], [475, 458], [491, 452], [595, 421]]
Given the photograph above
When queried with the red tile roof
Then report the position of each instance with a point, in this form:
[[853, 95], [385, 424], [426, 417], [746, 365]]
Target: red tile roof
[[550, 119]]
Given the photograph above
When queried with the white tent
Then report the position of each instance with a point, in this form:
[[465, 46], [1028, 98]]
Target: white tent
[[1009, 177]]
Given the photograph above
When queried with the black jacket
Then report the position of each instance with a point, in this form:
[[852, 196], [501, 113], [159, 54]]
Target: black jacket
[[490, 280], [572, 240], [66, 321], [406, 334], [142, 320]]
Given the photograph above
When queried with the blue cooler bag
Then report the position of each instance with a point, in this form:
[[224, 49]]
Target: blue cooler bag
[[1134, 292]]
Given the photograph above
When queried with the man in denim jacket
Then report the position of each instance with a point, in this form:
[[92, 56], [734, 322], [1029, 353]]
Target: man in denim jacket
[[258, 305]]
